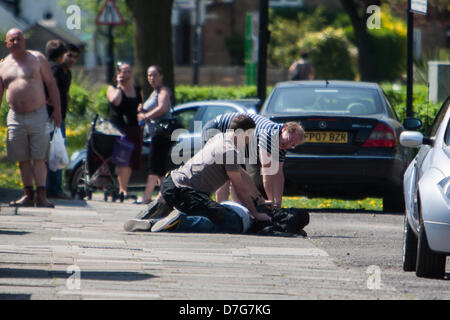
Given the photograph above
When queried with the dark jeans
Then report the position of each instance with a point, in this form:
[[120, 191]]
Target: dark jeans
[[195, 203]]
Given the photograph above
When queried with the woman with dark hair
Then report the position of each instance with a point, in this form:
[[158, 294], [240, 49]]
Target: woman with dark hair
[[125, 98], [154, 110]]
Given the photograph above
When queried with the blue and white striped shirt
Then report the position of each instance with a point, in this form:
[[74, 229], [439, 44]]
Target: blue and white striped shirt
[[267, 132]]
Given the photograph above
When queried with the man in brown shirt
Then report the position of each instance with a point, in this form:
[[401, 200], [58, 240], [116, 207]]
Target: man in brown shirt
[[22, 75], [188, 188]]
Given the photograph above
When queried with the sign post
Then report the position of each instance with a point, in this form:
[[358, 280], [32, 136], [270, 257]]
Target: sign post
[[414, 6], [110, 16]]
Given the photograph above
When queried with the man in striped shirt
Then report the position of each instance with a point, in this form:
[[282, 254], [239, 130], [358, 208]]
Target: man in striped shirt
[[273, 140]]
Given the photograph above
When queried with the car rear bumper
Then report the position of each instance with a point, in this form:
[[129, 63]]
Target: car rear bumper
[[351, 172]]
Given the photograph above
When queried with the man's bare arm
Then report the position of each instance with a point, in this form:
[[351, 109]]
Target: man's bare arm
[[53, 91], [272, 176], [2, 89], [274, 186]]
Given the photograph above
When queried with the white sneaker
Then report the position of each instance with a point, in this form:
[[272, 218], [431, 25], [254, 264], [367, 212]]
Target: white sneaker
[[167, 223], [138, 225]]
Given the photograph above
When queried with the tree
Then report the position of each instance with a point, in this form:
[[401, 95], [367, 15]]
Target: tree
[[356, 9], [152, 39]]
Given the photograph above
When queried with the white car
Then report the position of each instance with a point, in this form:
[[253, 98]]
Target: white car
[[427, 199]]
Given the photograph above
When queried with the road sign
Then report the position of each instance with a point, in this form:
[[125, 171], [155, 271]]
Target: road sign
[[419, 6], [110, 15]]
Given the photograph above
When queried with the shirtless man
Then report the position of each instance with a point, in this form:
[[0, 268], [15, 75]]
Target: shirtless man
[[22, 75]]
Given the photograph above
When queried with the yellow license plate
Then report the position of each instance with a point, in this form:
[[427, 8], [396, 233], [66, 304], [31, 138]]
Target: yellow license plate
[[326, 137]]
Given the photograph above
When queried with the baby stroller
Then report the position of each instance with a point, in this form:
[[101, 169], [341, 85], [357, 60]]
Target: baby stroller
[[98, 167]]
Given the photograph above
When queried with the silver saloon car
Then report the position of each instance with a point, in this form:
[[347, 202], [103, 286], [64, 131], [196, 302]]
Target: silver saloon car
[[427, 199]]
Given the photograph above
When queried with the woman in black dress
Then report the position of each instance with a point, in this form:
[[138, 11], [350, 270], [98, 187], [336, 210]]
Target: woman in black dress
[[124, 98]]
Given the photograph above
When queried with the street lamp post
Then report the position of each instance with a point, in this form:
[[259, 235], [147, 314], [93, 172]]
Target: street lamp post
[[262, 52]]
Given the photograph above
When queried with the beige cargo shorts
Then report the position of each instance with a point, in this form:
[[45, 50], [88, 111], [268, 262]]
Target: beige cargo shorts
[[27, 136]]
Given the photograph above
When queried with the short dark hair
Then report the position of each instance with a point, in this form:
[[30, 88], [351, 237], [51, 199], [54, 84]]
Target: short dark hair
[[243, 122], [73, 48], [55, 49]]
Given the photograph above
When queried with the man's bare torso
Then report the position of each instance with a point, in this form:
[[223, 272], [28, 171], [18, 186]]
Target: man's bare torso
[[23, 82]]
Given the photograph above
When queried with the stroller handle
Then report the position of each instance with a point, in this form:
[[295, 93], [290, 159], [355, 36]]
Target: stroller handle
[[94, 122]]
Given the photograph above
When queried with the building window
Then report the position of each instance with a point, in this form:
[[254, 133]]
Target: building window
[[286, 3]]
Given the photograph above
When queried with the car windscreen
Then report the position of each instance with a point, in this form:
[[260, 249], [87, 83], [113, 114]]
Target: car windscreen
[[341, 101]]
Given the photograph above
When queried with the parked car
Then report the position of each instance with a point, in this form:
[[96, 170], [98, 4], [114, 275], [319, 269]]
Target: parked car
[[351, 150], [187, 114], [427, 199]]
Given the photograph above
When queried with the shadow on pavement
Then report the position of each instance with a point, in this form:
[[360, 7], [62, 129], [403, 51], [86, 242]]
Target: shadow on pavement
[[13, 233], [10, 296], [91, 275]]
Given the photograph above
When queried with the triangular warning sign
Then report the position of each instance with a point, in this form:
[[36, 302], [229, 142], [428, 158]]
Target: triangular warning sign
[[109, 15]]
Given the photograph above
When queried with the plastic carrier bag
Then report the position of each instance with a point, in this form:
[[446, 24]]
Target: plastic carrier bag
[[57, 157], [122, 151]]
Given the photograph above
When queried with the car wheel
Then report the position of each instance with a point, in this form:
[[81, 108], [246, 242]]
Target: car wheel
[[77, 182], [393, 201], [430, 264], [409, 248]]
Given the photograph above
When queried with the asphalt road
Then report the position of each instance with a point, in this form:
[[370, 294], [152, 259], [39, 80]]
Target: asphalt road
[[372, 243], [79, 251]]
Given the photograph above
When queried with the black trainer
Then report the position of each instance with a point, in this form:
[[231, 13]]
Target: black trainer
[[156, 209]]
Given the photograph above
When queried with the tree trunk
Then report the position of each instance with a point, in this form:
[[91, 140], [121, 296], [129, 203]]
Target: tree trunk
[[152, 39], [358, 16]]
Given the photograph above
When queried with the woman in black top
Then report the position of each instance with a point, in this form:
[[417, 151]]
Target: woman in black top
[[124, 100]]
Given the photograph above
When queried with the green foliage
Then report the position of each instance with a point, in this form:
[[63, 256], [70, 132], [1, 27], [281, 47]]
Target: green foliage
[[4, 108], [329, 49], [79, 101], [389, 47], [188, 93], [423, 109], [101, 103], [285, 33], [329, 53]]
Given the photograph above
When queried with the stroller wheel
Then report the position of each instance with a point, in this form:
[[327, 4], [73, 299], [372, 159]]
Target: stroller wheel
[[89, 195], [105, 196], [122, 197], [114, 197]]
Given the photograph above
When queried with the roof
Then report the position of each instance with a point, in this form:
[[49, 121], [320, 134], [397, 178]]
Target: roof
[[329, 84], [59, 32]]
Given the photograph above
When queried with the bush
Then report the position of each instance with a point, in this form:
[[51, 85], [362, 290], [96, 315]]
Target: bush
[[390, 54], [329, 52], [79, 101], [423, 109], [329, 49], [185, 94]]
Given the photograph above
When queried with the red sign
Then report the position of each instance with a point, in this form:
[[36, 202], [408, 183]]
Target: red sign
[[110, 15]]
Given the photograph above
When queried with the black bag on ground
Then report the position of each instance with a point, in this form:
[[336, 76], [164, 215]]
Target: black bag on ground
[[285, 222]]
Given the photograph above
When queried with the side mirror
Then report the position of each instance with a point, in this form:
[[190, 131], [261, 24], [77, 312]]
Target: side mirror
[[411, 139], [412, 124], [414, 139]]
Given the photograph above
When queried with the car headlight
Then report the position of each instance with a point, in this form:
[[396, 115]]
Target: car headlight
[[444, 185]]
